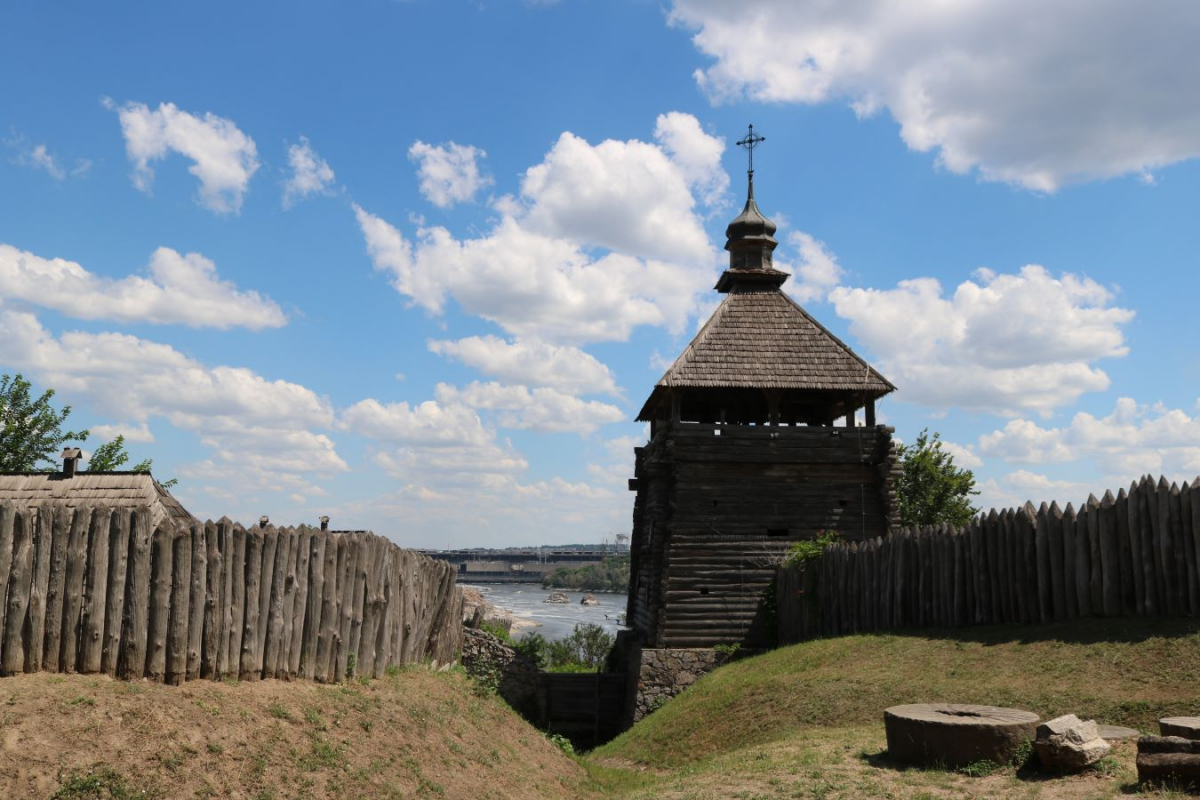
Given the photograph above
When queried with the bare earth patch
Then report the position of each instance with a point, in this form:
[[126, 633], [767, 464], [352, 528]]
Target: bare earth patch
[[415, 733]]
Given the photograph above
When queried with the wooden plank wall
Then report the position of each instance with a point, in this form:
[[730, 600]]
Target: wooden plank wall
[[587, 708], [1135, 554], [95, 590]]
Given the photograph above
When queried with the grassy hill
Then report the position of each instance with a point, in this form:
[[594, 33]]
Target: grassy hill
[[807, 720], [416, 733]]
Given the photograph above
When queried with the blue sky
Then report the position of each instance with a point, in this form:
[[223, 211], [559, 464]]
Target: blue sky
[[416, 265]]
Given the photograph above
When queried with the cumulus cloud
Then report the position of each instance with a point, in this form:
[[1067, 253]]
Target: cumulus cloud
[[180, 289], [697, 154], [1133, 440], [223, 157], [133, 432], [311, 174], [1037, 94], [449, 172], [602, 239], [817, 271], [532, 285], [532, 363], [1022, 486], [254, 425], [541, 409], [626, 196], [1005, 344]]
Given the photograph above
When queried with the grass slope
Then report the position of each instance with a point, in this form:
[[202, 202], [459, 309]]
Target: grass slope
[[780, 723], [414, 733]]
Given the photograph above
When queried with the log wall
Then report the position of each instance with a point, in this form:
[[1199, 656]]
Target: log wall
[[1135, 554], [717, 507], [96, 590]]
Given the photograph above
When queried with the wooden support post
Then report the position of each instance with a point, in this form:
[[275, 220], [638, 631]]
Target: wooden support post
[[77, 551], [870, 413], [136, 628], [96, 593], [181, 587], [43, 552], [237, 572], [214, 634], [13, 655], [114, 612], [8, 522], [253, 583], [197, 598], [160, 602]]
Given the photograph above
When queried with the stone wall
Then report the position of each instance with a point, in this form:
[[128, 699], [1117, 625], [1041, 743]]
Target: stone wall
[[662, 673], [489, 659]]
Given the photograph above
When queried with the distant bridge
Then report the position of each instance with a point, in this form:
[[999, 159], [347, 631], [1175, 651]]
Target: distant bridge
[[518, 565]]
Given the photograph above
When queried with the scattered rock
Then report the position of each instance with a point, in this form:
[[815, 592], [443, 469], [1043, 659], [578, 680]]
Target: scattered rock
[[954, 734], [589, 600], [1187, 727], [1111, 733], [1169, 759], [477, 610], [557, 597], [1068, 743]]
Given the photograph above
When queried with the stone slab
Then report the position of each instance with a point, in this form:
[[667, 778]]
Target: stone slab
[[1187, 727], [956, 734], [1113, 733]]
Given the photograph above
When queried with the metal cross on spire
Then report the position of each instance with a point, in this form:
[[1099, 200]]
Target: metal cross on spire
[[749, 142]]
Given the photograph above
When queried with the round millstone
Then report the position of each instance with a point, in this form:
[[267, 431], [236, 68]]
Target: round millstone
[[1112, 733], [1187, 727], [954, 734]]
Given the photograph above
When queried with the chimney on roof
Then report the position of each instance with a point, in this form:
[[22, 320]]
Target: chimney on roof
[[324, 523], [263, 521], [70, 457]]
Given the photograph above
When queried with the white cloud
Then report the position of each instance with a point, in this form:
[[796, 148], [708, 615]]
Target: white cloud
[[541, 409], [602, 239], [429, 423], [180, 289], [39, 157], [449, 172], [1017, 488], [697, 154], [1133, 440], [531, 362], [816, 273], [532, 285], [311, 174], [1038, 94], [964, 457], [630, 196], [223, 157], [1007, 344], [133, 432], [255, 426]]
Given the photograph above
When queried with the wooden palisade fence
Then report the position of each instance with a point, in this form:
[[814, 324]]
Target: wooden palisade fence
[[96, 590], [1136, 554]]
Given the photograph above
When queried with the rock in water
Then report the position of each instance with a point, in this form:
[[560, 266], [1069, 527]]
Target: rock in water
[[1068, 743], [557, 597], [589, 600]]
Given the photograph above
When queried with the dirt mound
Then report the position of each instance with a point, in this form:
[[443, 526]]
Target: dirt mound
[[413, 733]]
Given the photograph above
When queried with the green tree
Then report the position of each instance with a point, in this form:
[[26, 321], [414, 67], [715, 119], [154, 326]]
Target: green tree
[[111, 456], [33, 433], [932, 490]]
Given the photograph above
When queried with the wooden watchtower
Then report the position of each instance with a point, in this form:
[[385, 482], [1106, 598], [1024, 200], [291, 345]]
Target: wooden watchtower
[[746, 457]]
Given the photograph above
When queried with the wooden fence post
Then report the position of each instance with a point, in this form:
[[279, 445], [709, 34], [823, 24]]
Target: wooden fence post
[[13, 656], [114, 610], [95, 600], [43, 552]]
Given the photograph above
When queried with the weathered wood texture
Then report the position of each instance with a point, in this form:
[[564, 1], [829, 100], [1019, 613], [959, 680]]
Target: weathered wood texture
[[97, 590], [717, 506], [1135, 554]]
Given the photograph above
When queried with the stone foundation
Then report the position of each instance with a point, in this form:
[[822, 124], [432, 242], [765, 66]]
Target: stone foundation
[[514, 675], [658, 674]]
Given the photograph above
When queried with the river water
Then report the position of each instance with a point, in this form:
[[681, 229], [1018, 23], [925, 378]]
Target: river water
[[553, 620]]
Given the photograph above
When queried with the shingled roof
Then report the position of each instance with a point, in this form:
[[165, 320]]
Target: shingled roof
[[765, 340], [109, 489]]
